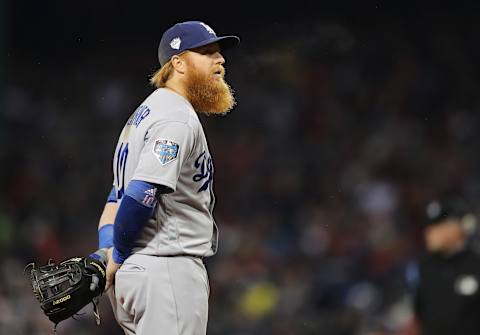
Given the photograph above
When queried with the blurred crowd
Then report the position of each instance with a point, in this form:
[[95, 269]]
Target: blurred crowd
[[342, 133]]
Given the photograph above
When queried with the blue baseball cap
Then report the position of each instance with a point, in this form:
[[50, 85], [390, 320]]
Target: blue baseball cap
[[188, 35]]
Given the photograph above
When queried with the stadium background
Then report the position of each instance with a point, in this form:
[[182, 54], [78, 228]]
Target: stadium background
[[348, 122]]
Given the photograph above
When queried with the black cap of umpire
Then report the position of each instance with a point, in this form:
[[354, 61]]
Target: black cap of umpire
[[451, 207]]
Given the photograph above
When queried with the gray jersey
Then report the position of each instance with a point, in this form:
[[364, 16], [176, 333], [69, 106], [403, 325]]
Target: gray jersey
[[163, 143]]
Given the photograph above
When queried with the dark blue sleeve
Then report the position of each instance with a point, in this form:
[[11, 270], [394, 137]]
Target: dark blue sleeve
[[136, 208]]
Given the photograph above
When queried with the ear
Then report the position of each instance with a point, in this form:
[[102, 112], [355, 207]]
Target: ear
[[178, 64], [469, 224]]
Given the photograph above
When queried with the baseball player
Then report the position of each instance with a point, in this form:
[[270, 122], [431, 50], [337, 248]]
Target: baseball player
[[157, 223]]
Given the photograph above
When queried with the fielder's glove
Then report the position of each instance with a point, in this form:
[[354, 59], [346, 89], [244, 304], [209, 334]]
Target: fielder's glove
[[63, 289]]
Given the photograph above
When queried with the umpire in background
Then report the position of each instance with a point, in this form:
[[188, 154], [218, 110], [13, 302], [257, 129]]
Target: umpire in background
[[447, 290]]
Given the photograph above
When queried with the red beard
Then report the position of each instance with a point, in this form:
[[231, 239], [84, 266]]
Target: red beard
[[207, 94]]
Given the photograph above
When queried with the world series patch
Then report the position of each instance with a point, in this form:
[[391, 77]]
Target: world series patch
[[166, 151]]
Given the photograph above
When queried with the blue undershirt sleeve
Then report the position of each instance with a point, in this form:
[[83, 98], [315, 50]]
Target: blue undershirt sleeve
[[136, 208]]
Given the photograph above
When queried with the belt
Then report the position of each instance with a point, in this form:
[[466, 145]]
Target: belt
[[176, 255], [183, 255]]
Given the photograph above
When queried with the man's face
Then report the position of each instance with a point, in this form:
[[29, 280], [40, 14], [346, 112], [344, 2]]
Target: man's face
[[205, 86], [446, 236], [208, 60]]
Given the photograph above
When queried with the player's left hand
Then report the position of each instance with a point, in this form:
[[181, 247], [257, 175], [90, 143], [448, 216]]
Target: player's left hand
[[112, 268]]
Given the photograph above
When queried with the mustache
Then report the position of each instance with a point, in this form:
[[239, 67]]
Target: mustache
[[220, 69]]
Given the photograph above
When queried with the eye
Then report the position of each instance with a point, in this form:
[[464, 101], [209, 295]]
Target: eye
[[210, 50], [202, 51], [207, 50]]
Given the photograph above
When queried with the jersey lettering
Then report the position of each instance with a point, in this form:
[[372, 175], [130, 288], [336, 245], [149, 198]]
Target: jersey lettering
[[141, 113], [204, 166]]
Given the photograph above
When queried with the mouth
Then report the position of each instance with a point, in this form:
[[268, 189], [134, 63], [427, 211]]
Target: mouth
[[219, 73]]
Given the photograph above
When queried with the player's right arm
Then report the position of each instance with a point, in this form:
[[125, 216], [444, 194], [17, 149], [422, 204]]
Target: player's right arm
[[137, 206]]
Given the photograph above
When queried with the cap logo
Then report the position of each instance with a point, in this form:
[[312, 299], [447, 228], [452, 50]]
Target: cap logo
[[210, 30], [175, 43]]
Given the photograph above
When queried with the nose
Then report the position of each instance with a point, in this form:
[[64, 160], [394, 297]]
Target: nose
[[219, 58]]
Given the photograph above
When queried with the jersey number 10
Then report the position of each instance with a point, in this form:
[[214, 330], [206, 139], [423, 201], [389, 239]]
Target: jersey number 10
[[120, 169]]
